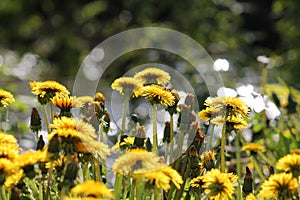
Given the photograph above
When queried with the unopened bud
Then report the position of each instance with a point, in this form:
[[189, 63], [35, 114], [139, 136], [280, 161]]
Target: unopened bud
[[35, 121], [248, 182]]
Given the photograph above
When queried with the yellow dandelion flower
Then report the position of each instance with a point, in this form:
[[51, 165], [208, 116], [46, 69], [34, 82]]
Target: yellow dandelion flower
[[153, 75], [97, 149], [99, 97], [7, 167], [124, 142], [6, 98], [295, 151], [30, 158], [250, 196], [85, 198], [156, 94], [47, 89], [126, 85], [60, 162], [232, 122], [7, 138], [92, 188], [66, 101], [13, 179], [65, 124], [196, 182], [208, 113], [218, 185], [253, 147], [136, 161], [9, 151], [289, 163], [279, 186], [163, 177]]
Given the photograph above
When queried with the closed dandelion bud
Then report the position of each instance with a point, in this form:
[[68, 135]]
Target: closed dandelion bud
[[71, 171], [148, 145], [139, 140], [15, 194], [248, 182], [40, 143], [35, 121], [271, 170], [292, 104], [167, 137], [275, 99], [190, 100], [173, 109], [54, 147]]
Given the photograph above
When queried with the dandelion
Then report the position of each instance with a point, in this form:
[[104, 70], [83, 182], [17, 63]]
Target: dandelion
[[279, 186], [250, 196], [92, 188], [126, 85], [208, 160], [136, 161], [218, 185], [289, 163], [47, 89], [65, 103], [197, 182], [153, 75], [6, 98], [163, 177], [232, 122], [14, 179], [156, 94], [253, 148]]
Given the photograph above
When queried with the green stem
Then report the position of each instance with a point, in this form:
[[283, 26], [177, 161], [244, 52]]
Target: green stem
[[238, 163], [3, 194], [41, 191], [223, 143], [51, 113], [139, 188], [258, 169], [6, 121], [50, 171], [154, 128], [118, 186], [171, 138], [124, 114], [157, 193], [132, 190], [46, 118]]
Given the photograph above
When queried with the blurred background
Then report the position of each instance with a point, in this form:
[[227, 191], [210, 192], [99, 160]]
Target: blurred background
[[48, 39]]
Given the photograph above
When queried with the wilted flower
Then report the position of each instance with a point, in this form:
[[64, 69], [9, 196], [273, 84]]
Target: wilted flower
[[6, 98]]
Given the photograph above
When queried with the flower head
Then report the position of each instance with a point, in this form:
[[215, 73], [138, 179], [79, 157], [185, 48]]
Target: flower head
[[253, 148], [14, 179], [218, 185], [232, 122], [279, 186], [197, 182], [126, 85], [289, 163], [208, 160], [92, 188], [163, 177], [153, 75], [156, 94], [47, 89], [6, 98], [137, 161]]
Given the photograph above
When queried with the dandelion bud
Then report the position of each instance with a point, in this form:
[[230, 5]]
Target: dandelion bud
[[35, 121], [275, 99], [208, 160], [99, 97], [40, 143], [292, 104], [167, 136], [189, 100], [139, 140], [54, 146], [248, 182], [71, 171], [148, 145], [193, 152], [271, 170]]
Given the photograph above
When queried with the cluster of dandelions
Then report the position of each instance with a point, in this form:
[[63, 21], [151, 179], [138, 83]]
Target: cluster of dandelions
[[71, 162]]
